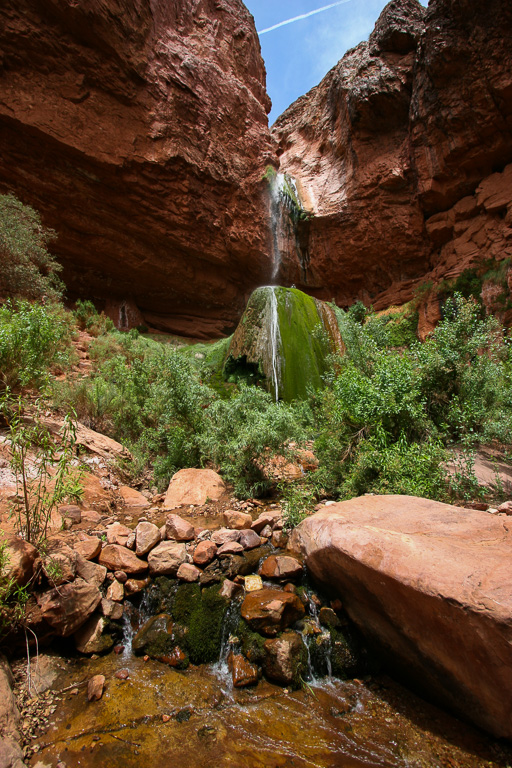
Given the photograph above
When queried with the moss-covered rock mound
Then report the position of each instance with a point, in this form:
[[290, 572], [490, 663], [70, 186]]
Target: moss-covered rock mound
[[283, 340]]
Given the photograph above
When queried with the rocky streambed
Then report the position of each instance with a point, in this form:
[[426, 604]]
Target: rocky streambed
[[198, 639]]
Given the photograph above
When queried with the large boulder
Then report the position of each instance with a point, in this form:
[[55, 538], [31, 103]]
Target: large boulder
[[67, 607], [431, 586], [193, 486]]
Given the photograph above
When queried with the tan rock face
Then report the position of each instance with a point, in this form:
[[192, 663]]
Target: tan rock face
[[117, 558], [396, 165], [144, 129], [431, 584], [193, 486]]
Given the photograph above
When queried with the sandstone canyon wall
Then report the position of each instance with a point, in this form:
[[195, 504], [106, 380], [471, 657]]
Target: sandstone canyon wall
[[139, 131], [402, 154]]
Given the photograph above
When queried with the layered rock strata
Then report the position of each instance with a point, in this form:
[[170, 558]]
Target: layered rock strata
[[139, 131], [430, 585], [391, 152]]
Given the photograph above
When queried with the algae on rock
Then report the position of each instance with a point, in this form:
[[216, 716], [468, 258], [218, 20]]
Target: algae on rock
[[284, 337]]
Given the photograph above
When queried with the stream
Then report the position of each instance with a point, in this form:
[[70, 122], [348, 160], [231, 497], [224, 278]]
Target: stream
[[185, 719]]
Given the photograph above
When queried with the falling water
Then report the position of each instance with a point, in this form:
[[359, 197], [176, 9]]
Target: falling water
[[274, 341], [276, 189]]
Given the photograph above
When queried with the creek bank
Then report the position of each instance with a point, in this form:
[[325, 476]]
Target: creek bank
[[429, 584]]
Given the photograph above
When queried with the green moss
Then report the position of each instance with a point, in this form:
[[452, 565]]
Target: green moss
[[252, 644], [302, 347], [201, 613]]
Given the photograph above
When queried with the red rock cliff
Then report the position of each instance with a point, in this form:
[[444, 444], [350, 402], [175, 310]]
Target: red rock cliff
[[138, 129], [401, 154]]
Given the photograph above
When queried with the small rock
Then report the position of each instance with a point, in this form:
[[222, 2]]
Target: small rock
[[328, 618], [111, 610], [122, 674], [269, 611], [205, 552], [230, 548], [266, 532], [223, 535], [115, 592], [89, 548], [118, 649], [166, 718], [133, 586], [178, 529], [118, 558], [147, 536], [253, 583], [284, 658], [90, 638], [95, 687], [131, 540], [72, 512], [237, 520], [230, 589], [133, 498], [242, 671], [506, 507], [166, 558], [279, 539], [281, 567], [117, 533], [188, 572], [249, 539], [121, 576]]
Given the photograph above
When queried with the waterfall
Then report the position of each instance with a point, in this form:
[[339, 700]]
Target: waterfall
[[276, 188], [275, 339], [285, 198]]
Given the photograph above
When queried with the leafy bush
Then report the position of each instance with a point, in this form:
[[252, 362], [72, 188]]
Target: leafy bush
[[90, 320], [44, 480], [27, 269], [242, 433], [385, 418], [34, 338]]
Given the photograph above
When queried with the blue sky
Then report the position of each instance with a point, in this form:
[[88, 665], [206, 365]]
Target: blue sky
[[298, 55]]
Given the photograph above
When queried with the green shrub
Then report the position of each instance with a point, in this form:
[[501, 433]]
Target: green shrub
[[90, 320], [242, 433], [34, 338], [27, 269]]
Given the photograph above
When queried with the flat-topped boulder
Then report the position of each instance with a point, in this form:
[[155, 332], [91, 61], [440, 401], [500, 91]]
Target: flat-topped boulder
[[193, 486], [431, 585]]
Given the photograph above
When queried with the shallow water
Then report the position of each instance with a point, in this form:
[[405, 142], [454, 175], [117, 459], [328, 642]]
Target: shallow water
[[207, 724]]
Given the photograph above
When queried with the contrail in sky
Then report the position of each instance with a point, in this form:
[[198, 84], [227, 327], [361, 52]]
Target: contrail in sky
[[302, 16]]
